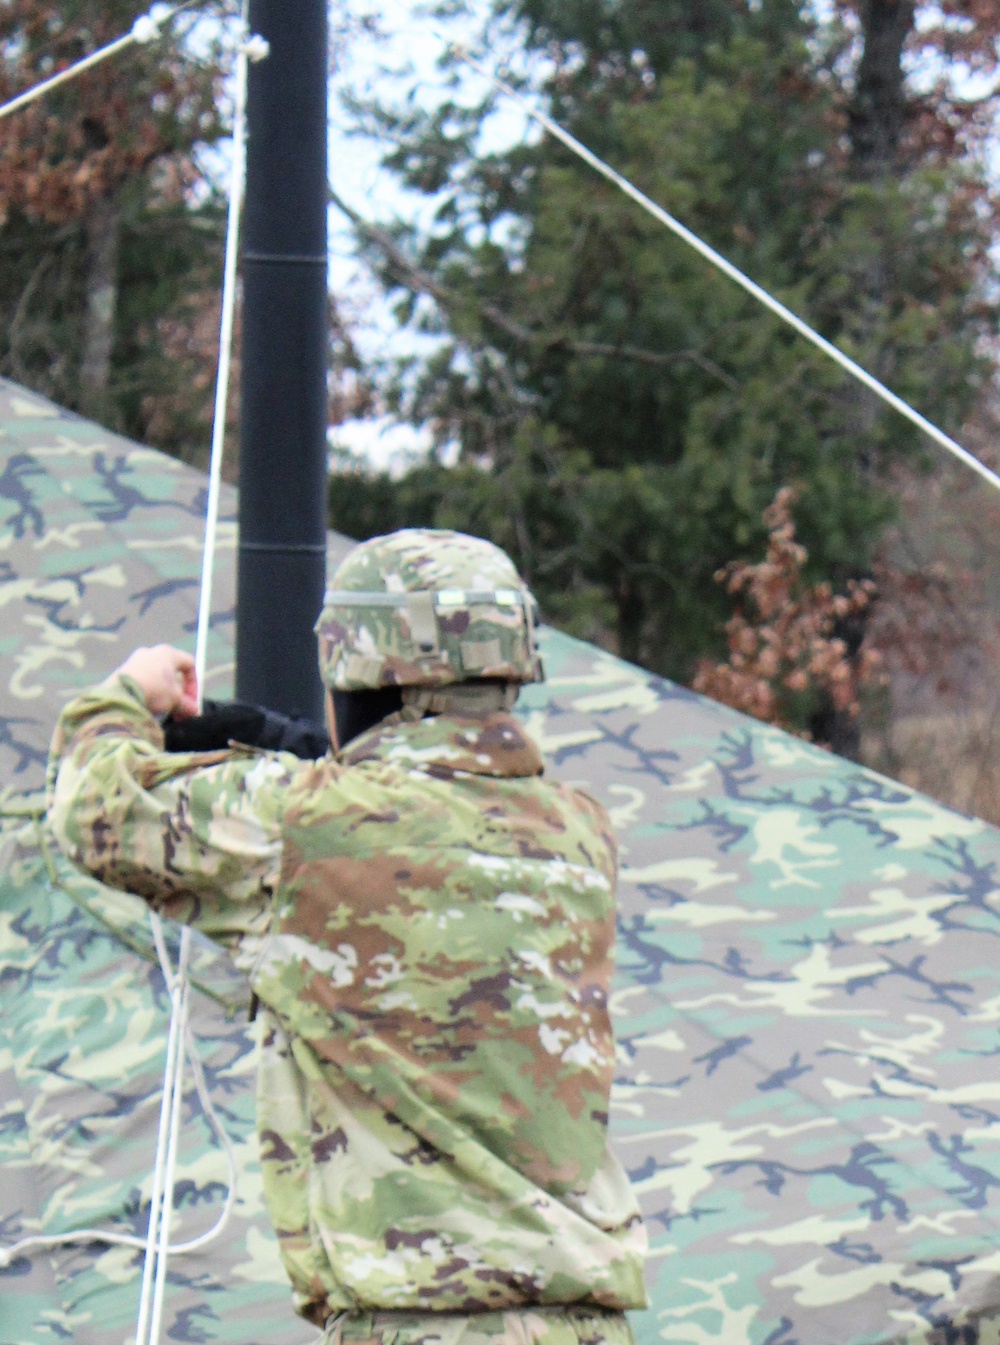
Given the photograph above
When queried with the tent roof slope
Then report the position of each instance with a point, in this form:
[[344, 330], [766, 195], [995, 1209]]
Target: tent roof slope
[[101, 542], [100, 551], [81, 1069], [807, 993], [807, 1001]]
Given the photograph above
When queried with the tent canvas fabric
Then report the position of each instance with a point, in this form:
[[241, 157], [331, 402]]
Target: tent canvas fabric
[[807, 995]]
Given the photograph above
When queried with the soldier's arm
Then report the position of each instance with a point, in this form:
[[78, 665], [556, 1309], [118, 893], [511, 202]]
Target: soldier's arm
[[197, 835]]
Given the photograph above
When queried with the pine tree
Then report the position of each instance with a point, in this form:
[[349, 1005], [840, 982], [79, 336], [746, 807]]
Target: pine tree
[[624, 415]]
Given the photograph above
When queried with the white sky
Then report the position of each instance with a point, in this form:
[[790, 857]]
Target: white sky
[[401, 62]]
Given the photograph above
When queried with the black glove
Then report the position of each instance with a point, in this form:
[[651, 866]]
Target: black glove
[[222, 722]]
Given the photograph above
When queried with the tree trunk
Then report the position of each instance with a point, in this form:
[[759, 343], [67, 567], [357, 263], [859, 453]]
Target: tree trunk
[[630, 620], [877, 118], [102, 237], [878, 114]]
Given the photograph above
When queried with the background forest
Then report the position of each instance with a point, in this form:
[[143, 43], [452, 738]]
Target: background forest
[[622, 419]]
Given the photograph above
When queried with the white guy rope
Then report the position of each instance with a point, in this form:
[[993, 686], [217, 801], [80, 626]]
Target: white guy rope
[[733, 272], [43, 1241], [179, 1011], [161, 1205], [38, 1242], [84, 1235], [161, 1197], [145, 29], [251, 49]]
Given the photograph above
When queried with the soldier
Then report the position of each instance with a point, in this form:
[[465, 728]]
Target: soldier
[[429, 926]]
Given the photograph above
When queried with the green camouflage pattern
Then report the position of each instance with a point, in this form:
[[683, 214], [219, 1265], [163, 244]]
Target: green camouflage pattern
[[806, 1014], [807, 1002], [539, 1326], [81, 1067], [433, 607], [456, 983]]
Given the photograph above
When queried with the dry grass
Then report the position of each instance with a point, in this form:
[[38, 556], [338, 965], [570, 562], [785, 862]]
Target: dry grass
[[936, 727], [954, 756]]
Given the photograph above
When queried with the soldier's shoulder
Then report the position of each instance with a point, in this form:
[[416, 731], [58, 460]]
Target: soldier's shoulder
[[580, 798]]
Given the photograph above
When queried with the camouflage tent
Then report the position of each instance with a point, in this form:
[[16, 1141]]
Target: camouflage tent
[[807, 1003]]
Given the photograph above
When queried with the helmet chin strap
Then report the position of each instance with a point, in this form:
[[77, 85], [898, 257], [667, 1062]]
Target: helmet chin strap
[[458, 698]]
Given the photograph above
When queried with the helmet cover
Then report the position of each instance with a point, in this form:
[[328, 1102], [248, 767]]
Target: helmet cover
[[426, 607]]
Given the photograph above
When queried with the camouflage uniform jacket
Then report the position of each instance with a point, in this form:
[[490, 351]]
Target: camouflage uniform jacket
[[429, 925]]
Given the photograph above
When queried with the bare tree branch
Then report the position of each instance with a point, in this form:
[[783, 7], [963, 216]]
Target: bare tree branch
[[425, 283]]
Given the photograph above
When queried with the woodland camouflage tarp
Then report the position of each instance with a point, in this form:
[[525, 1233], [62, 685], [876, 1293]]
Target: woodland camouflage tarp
[[808, 981]]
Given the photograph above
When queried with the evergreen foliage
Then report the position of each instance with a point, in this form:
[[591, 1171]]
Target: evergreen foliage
[[623, 414]]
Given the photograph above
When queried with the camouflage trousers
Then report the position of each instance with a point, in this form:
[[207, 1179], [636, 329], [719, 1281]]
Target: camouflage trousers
[[526, 1326]]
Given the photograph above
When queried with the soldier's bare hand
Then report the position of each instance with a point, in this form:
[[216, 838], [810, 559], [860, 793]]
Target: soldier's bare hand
[[167, 679]]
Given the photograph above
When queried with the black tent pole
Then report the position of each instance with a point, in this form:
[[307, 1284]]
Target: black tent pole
[[283, 450]]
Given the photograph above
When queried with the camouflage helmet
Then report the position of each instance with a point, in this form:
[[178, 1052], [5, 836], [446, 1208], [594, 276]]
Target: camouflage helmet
[[426, 608]]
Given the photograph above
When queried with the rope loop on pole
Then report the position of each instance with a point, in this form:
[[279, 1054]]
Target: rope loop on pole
[[146, 29], [147, 26]]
